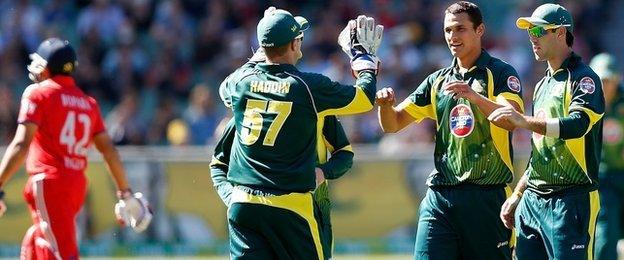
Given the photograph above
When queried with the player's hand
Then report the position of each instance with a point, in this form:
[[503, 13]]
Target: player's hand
[[3, 207], [133, 210], [509, 114], [385, 97], [460, 89], [508, 210], [320, 176]]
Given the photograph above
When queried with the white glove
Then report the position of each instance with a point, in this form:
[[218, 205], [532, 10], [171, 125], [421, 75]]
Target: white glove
[[360, 40], [369, 35], [133, 209]]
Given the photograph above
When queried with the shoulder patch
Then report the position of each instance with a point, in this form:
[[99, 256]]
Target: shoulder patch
[[587, 85], [514, 83]]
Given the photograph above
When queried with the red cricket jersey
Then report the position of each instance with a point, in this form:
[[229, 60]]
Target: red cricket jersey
[[67, 121]]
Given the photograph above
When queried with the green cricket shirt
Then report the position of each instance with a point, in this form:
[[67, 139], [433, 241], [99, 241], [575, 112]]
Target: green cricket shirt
[[468, 148], [278, 113], [573, 94]]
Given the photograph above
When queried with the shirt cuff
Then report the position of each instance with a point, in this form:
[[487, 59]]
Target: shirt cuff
[[552, 127]]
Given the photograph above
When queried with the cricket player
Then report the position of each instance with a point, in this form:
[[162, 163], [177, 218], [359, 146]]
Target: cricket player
[[57, 125], [336, 144], [611, 174], [279, 113], [473, 157], [556, 215]]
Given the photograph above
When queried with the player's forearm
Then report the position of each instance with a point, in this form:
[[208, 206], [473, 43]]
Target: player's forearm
[[339, 163], [388, 119], [367, 81], [14, 157], [218, 174], [116, 169], [487, 106], [522, 185], [537, 125], [575, 125]]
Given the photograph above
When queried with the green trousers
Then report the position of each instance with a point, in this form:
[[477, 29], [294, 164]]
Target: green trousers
[[273, 227], [462, 222], [559, 226]]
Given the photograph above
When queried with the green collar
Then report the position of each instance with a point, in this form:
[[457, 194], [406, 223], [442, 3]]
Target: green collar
[[276, 67], [569, 62], [481, 63]]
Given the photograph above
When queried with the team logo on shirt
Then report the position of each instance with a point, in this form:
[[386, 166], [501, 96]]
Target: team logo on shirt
[[612, 132], [461, 120], [587, 85], [514, 83]]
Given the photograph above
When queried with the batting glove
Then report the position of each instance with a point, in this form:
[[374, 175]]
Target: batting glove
[[134, 210]]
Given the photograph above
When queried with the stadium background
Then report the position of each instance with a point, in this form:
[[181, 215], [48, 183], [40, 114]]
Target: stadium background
[[155, 67]]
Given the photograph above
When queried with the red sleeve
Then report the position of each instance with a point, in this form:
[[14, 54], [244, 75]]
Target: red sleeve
[[31, 108], [98, 126]]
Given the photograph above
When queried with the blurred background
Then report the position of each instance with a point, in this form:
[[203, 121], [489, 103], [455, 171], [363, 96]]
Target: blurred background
[[155, 67]]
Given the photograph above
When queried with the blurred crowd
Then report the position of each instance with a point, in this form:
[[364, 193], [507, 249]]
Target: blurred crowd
[[155, 66]]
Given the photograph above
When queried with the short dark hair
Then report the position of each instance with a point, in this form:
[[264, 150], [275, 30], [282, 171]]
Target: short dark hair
[[473, 11], [569, 38], [276, 51]]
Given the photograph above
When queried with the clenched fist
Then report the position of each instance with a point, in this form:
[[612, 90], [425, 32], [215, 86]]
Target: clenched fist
[[385, 97]]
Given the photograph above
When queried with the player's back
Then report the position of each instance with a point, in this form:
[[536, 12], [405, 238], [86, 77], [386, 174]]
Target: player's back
[[276, 126], [67, 121], [278, 112]]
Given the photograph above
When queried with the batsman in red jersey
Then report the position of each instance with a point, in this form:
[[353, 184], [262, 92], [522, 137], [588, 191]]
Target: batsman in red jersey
[[57, 125]]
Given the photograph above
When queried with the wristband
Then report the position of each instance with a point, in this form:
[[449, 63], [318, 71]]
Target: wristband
[[1, 194]]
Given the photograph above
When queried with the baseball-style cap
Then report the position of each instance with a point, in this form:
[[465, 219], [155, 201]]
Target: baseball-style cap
[[548, 15], [605, 66], [279, 28]]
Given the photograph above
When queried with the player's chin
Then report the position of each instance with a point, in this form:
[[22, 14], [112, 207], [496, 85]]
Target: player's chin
[[539, 56]]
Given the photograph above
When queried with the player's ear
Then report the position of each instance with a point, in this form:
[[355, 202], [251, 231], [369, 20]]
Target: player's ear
[[480, 29], [293, 45]]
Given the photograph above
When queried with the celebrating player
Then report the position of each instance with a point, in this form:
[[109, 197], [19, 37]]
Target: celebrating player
[[57, 124], [278, 113], [611, 175], [556, 216], [473, 160]]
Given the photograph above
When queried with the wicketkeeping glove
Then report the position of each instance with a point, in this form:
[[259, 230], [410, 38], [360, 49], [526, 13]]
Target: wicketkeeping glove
[[360, 40], [133, 210]]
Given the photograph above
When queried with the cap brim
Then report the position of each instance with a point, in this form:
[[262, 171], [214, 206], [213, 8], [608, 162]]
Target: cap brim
[[526, 22], [303, 23]]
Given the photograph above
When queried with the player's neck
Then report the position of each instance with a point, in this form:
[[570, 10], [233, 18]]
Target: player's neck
[[283, 59], [555, 62], [467, 61]]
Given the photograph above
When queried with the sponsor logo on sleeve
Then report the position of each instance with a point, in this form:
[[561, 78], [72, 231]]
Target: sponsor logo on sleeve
[[461, 120], [514, 83], [587, 85]]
